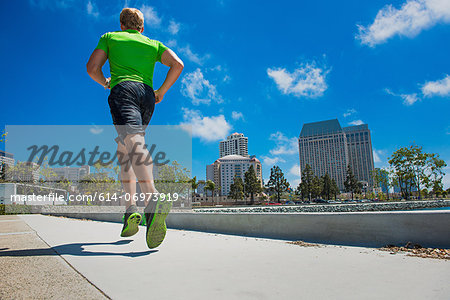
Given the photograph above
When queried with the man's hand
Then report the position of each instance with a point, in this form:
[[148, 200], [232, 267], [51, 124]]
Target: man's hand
[[158, 96], [107, 84]]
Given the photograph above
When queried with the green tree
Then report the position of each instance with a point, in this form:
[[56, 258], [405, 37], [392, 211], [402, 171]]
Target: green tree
[[413, 167], [194, 185], [316, 187], [326, 186], [210, 186], [237, 189], [436, 174], [334, 188], [252, 184], [3, 136], [277, 183], [305, 187], [351, 183], [381, 179]]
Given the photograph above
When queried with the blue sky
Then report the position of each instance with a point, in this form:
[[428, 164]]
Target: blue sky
[[258, 67]]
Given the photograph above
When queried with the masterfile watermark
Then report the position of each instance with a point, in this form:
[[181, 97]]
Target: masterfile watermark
[[102, 197], [56, 157]]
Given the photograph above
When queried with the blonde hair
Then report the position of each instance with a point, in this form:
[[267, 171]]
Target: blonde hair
[[132, 18]]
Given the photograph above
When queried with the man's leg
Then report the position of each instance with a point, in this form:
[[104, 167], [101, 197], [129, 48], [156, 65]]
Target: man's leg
[[142, 163], [127, 175], [132, 218], [156, 209]]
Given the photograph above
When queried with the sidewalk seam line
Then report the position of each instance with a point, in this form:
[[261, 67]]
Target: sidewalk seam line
[[70, 265]]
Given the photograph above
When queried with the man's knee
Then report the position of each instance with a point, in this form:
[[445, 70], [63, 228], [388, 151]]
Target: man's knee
[[133, 140]]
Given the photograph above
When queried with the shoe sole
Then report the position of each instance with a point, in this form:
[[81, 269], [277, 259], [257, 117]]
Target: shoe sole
[[156, 232], [132, 225]]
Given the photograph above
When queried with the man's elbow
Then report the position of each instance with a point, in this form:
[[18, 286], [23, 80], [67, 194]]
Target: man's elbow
[[179, 64], [91, 69]]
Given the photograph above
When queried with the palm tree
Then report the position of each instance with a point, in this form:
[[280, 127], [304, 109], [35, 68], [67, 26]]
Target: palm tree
[[194, 185], [210, 186]]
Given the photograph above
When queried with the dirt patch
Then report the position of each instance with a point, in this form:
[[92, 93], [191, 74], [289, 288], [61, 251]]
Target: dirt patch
[[418, 251], [304, 244]]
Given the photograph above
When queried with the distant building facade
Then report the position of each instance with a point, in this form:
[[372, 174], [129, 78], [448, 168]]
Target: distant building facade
[[73, 174], [25, 172], [235, 144], [226, 168], [329, 148], [6, 158], [360, 154]]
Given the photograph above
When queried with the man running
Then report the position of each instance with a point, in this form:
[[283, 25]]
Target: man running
[[132, 57]]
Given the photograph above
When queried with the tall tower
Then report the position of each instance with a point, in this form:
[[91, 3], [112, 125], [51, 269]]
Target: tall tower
[[323, 146], [235, 144], [359, 147], [329, 148]]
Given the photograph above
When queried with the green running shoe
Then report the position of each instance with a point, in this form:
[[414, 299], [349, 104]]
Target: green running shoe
[[155, 215], [131, 222]]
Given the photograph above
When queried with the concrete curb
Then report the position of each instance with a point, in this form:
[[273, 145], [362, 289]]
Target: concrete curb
[[369, 229]]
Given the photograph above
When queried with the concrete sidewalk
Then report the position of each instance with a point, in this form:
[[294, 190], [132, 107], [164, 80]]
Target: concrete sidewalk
[[30, 269], [196, 265]]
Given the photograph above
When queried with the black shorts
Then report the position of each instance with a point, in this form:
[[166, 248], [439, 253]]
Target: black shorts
[[131, 104]]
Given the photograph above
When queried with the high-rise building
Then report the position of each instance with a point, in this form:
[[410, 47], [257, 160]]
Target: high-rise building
[[235, 144], [6, 158], [323, 146], [329, 148], [360, 155], [226, 168]]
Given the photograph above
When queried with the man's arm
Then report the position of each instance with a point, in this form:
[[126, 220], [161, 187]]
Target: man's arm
[[170, 59], [94, 67]]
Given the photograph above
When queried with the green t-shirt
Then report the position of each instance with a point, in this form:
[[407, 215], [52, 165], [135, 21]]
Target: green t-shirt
[[132, 56]]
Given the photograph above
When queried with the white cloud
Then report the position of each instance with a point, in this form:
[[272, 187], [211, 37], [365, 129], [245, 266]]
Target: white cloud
[[285, 145], [196, 87], [91, 9], [349, 112], [96, 130], [271, 161], [236, 115], [306, 81], [380, 158], [295, 170], [171, 43], [150, 16], [174, 27], [356, 122], [413, 17], [376, 157], [437, 88], [208, 129], [194, 57], [408, 99]]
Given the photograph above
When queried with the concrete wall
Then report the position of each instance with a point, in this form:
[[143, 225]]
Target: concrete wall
[[372, 229]]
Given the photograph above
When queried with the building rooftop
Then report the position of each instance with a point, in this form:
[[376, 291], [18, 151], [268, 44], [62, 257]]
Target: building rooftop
[[356, 128], [320, 128], [233, 157]]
